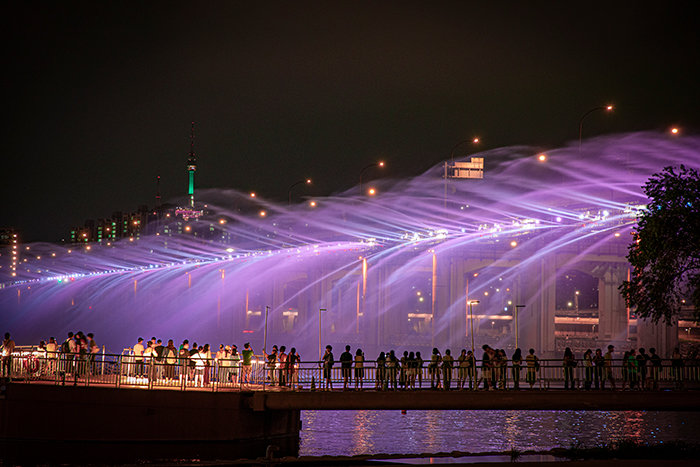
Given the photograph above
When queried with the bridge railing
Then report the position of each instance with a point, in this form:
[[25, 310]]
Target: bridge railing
[[125, 370]]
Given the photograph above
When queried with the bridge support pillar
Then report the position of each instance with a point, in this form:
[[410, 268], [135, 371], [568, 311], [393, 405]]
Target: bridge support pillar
[[613, 315], [536, 321]]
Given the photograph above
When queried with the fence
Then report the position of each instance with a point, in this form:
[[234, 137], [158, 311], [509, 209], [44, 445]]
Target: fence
[[127, 370]]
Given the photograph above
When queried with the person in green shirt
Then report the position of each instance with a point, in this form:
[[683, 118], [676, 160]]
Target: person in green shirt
[[247, 363]]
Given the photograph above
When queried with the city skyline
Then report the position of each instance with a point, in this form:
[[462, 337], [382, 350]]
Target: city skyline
[[102, 96]]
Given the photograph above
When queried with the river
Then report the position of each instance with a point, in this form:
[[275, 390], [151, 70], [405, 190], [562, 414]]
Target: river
[[355, 432]]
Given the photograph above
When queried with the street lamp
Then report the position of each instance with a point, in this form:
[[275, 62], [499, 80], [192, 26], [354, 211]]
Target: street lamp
[[607, 108], [471, 319], [369, 166], [265, 334], [306, 181], [517, 309], [320, 344]]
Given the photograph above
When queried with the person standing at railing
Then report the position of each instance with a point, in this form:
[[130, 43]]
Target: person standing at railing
[[486, 366], [411, 370], [517, 360], [633, 369], [206, 354], [292, 365], [93, 351], [599, 362], [235, 363], [380, 374], [625, 369], [199, 359], [533, 367], [68, 353], [282, 366], [434, 368], [500, 361], [403, 368], [52, 355], [247, 363], [8, 346], [271, 364], [392, 364], [221, 363], [677, 368], [609, 375], [328, 362], [462, 369], [346, 366], [588, 367], [642, 362], [159, 348], [447, 365], [655, 362], [170, 359], [183, 354], [138, 357], [359, 368], [569, 363], [149, 360], [471, 368]]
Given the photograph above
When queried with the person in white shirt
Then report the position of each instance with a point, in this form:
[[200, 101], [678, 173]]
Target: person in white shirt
[[138, 357]]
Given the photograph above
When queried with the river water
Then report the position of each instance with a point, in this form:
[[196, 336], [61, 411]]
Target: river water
[[355, 432]]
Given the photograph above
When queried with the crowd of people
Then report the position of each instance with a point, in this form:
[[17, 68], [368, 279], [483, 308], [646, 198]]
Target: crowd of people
[[153, 359]]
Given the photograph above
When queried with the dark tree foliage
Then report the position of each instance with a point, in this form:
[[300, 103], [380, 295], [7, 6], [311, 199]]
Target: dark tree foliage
[[665, 255]]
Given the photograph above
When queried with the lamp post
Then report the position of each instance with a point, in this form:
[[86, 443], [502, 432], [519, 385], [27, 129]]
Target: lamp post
[[369, 166], [607, 108], [265, 334], [320, 342], [471, 319], [306, 181], [517, 309]]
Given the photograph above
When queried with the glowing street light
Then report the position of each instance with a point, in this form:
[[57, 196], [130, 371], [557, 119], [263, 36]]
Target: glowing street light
[[379, 164], [262, 213], [517, 309], [372, 192], [607, 108], [675, 131], [305, 181], [471, 319], [542, 157], [312, 204], [253, 194]]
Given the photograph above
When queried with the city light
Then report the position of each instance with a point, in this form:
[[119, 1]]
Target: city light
[[262, 213], [609, 108], [252, 194], [675, 130], [542, 157], [312, 204], [372, 192], [475, 140], [222, 221], [513, 243]]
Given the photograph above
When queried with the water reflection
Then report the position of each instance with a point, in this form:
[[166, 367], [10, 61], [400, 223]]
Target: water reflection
[[375, 432]]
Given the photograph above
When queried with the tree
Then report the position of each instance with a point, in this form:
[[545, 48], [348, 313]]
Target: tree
[[665, 254]]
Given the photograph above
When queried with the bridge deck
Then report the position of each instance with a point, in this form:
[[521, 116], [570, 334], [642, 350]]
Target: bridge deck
[[478, 400]]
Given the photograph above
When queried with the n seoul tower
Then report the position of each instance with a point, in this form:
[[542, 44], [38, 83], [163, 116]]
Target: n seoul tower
[[191, 168]]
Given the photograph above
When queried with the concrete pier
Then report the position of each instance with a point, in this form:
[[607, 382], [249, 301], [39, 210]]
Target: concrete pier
[[40, 422]]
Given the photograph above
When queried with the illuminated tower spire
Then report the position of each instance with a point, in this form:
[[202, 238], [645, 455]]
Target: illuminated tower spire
[[158, 191], [191, 168]]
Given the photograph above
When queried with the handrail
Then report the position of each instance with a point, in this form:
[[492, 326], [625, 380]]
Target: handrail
[[124, 370]]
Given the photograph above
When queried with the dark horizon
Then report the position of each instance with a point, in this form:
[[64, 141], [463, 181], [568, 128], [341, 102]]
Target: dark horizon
[[101, 96]]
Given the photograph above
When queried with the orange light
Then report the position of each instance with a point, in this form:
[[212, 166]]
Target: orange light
[[222, 221], [262, 213], [371, 192], [312, 204], [475, 140], [542, 157], [675, 130], [513, 243], [308, 181], [381, 164], [609, 108], [252, 194], [187, 228]]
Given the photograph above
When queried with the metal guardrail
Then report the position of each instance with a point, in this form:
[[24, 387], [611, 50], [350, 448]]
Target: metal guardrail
[[113, 370]]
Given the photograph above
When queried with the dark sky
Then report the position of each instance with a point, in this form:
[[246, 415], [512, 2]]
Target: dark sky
[[100, 95]]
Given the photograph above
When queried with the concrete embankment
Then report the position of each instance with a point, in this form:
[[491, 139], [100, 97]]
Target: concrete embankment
[[78, 424]]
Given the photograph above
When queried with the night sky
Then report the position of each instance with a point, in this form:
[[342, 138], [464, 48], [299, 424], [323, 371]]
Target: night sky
[[99, 96]]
